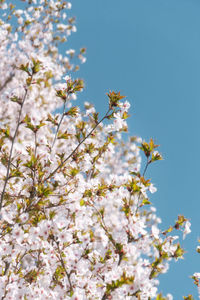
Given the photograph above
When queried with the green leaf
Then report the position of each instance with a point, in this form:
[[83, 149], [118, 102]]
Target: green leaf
[[125, 115], [179, 252], [114, 99], [156, 156], [52, 214], [189, 297], [61, 94], [73, 111], [36, 65], [16, 100], [160, 297], [82, 202], [145, 202]]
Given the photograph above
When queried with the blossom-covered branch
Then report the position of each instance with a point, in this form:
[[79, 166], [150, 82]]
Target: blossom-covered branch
[[76, 221]]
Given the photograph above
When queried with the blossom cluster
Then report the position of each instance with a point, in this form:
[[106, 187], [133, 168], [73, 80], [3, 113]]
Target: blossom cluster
[[75, 218]]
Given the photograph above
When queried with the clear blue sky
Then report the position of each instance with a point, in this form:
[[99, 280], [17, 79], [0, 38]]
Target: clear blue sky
[[150, 51]]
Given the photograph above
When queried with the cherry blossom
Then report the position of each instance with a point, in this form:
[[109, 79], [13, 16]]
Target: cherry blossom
[[76, 221]]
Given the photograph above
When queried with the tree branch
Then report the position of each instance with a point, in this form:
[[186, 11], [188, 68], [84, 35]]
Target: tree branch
[[72, 153], [58, 127], [6, 82], [12, 145]]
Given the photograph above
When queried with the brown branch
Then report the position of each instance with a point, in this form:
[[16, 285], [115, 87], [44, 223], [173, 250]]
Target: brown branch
[[7, 81]]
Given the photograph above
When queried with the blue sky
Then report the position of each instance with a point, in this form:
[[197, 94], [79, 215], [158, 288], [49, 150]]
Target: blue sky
[[149, 50]]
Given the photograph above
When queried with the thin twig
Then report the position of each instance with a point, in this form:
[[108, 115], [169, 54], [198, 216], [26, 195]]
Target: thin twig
[[145, 169], [63, 265], [12, 145], [72, 153], [109, 235], [6, 82], [58, 127]]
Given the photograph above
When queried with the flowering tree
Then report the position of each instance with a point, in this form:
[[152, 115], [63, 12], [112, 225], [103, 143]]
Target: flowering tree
[[75, 218]]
